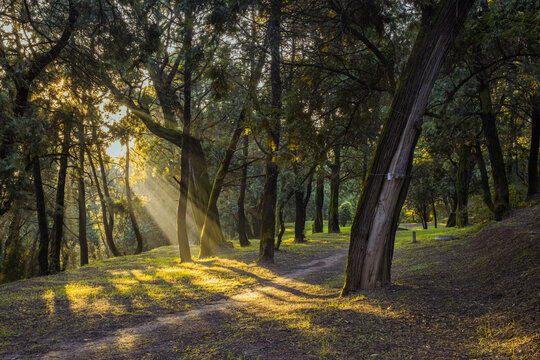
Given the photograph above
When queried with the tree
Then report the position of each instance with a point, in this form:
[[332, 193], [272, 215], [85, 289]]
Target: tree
[[377, 212]]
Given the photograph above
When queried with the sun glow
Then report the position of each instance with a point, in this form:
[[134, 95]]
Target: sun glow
[[160, 200]]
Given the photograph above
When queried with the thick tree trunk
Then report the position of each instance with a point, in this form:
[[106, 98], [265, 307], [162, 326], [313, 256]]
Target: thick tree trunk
[[484, 179], [384, 274], [81, 199], [380, 196], [318, 222], [333, 206], [185, 160], [535, 143], [211, 234], [242, 223], [273, 129], [43, 224], [462, 184], [129, 202], [106, 226], [498, 169], [58, 223]]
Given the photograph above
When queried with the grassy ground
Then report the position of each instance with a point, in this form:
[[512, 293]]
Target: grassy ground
[[472, 298]]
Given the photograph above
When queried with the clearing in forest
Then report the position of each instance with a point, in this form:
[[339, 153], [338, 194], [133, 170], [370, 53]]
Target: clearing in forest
[[475, 297]]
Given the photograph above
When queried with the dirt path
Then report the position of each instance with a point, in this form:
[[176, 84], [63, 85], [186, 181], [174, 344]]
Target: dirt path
[[281, 289]]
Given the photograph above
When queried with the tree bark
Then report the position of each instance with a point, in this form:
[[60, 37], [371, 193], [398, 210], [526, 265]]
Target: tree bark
[[242, 223], [484, 179], [273, 129], [301, 201], [106, 226], [462, 184], [185, 160], [378, 202], [129, 202], [43, 224], [81, 199], [498, 169], [58, 222], [319, 202], [11, 259], [333, 206], [434, 213], [535, 143], [280, 222]]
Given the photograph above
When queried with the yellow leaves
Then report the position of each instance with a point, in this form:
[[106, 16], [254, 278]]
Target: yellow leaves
[[247, 131]]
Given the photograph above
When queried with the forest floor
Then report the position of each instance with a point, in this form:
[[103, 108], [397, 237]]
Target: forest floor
[[477, 297]]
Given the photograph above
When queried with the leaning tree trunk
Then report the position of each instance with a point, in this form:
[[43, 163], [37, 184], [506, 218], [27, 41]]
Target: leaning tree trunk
[[500, 182], [81, 199], [535, 142], [58, 223], [333, 206], [106, 226], [319, 202], [242, 222], [211, 234], [129, 202], [380, 195], [280, 224], [462, 184], [106, 193], [273, 129]]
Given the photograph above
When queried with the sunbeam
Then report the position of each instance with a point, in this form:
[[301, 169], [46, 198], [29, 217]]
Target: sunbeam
[[160, 199]]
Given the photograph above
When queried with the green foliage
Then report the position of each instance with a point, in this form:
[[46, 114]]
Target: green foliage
[[345, 213]]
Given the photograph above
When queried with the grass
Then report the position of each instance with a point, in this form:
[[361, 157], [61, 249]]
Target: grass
[[424, 315]]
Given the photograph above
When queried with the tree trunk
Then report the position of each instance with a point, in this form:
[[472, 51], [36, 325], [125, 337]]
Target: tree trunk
[[211, 234], [106, 194], [281, 223], [273, 129], [242, 223], [130, 209], [333, 206], [377, 206], [43, 226], [185, 160], [462, 184], [300, 216], [58, 223], [12, 255], [484, 179], [83, 242], [434, 214], [535, 142], [385, 272], [498, 169], [106, 226], [301, 203], [319, 202]]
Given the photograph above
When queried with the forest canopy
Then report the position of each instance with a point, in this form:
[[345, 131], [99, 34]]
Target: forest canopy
[[129, 125]]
